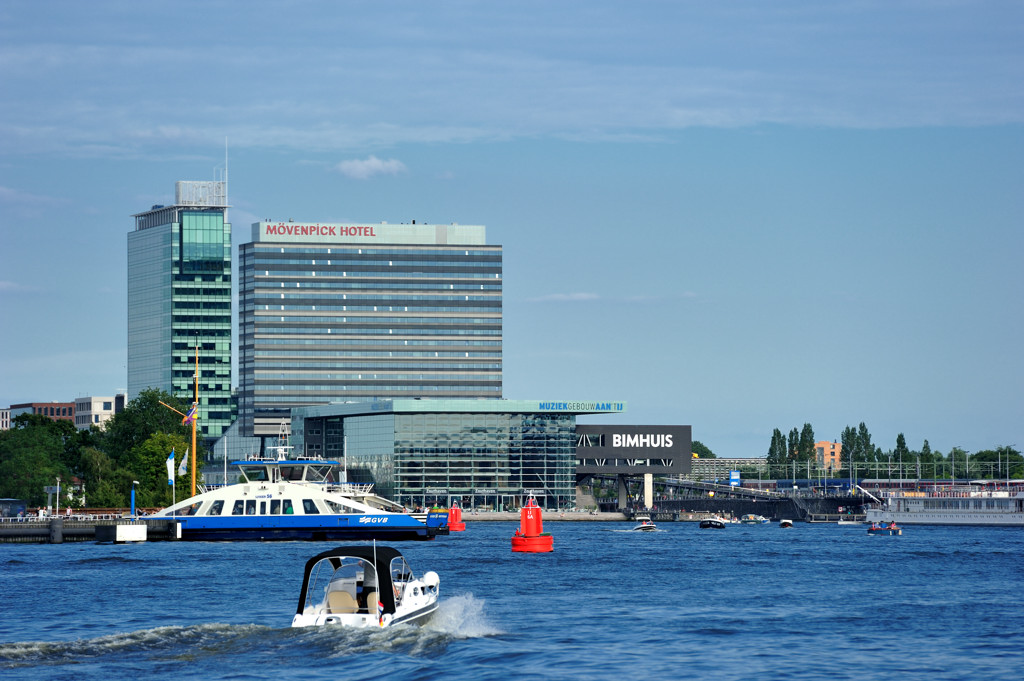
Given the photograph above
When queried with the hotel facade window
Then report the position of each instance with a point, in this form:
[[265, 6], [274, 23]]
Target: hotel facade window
[[179, 298], [354, 312]]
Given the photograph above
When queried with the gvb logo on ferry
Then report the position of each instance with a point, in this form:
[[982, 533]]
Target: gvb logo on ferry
[[374, 519]]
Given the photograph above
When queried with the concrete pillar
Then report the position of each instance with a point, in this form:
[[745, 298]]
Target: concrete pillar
[[648, 490], [57, 531], [623, 491]]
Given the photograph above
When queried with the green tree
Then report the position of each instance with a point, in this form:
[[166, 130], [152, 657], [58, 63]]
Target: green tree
[[805, 447], [851, 453], [32, 454], [793, 445], [866, 449], [701, 450], [148, 465], [141, 419], [777, 450]]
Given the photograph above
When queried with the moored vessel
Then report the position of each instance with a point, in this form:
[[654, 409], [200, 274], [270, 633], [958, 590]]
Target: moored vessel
[[980, 502]]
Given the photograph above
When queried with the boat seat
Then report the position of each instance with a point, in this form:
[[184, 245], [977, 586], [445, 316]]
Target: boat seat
[[371, 602], [341, 602]]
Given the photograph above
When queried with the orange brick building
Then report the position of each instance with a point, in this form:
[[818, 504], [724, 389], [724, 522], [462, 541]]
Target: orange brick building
[[829, 454]]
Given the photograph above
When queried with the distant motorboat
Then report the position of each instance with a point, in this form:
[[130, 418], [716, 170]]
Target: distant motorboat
[[785, 522], [713, 523], [644, 523], [891, 529], [753, 519]]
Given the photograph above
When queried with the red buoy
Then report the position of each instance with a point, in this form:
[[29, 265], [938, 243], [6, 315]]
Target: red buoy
[[455, 522], [530, 537]]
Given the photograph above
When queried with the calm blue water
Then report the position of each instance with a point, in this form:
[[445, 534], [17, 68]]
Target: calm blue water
[[812, 602]]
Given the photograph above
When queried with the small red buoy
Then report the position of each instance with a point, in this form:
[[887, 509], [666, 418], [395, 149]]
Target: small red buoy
[[530, 537], [455, 522]]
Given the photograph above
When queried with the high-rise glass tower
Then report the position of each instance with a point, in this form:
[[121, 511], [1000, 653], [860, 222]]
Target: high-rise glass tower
[[179, 298], [352, 312]]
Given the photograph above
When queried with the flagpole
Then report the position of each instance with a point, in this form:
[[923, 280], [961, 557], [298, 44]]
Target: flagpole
[[195, 417]]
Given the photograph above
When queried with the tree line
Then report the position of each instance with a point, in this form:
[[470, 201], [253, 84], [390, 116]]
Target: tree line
[[133, 446], [860, 454]]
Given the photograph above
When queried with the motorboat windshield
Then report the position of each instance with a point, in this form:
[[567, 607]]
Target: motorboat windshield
[[341, 586]]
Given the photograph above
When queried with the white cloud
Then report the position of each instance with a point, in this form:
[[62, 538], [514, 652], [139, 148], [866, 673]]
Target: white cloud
[[364, 169], [566, 298], [15, 287]]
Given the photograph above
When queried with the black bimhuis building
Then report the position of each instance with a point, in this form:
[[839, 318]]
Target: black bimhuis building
[[633, 450]]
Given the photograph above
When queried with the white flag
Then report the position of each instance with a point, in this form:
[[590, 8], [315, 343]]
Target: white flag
[[184, 463], [170, 468]]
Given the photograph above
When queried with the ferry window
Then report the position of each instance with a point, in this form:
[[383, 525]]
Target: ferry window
[[318, 473], [250, 507], [237, 508], [263, 508], [309, 508], [255, 473], [216, 508], [288, 510], [293, 473], [275, 507], [191, 510], [335, 506]]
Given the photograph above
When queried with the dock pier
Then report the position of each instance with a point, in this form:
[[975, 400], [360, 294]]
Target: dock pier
[[58, 530]]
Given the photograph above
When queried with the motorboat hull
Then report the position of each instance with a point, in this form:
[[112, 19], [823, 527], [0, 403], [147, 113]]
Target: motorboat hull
[[712, 525], [890, 531]]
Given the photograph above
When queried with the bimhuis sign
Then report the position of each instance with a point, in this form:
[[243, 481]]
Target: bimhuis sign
[[661, 450]]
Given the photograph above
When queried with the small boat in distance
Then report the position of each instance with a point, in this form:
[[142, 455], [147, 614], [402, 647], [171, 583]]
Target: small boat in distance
[[644, 523], [891, 529], [712, 523], [363, 586], [753, 519], [785, 522]]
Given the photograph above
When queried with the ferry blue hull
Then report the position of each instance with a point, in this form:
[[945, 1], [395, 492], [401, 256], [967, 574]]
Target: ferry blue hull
[[303, 528]]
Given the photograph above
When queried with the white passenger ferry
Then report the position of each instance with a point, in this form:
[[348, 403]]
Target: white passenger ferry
[[296, 499], [982, 502]]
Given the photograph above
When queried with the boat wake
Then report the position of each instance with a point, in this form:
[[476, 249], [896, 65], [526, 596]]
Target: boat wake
[[458, 617], [166, 642]]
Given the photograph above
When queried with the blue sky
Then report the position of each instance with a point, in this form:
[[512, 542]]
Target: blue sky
[[735, 215]]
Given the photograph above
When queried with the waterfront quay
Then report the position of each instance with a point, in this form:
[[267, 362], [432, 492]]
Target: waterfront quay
[[59, 529]]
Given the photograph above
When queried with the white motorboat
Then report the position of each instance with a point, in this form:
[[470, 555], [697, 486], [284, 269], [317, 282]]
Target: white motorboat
[[712, 523], [753, 519], [363, 586], [644, 523], [785, 522]]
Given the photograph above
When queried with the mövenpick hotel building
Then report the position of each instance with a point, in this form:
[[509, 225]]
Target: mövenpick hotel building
[[340, 312]]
